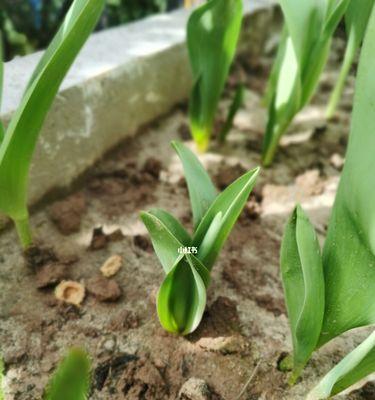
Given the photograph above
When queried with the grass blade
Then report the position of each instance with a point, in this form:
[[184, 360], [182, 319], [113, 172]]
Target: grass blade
[[355, 366], [72, 378], [181, 299], [302, 276], [229, 204], [22, 133], [212, 35], [349, 251], [2, 131], [202, 191], [1, 379]]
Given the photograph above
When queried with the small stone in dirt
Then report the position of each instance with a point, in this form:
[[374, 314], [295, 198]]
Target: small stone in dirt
[[153, 167], [99, 239], [109, 345], [51, 274], [67, 214], [196, 389], [103, 289], [111, 266], [70, 292], [311, 183], [184, 132], [143, 242], [337, 161]]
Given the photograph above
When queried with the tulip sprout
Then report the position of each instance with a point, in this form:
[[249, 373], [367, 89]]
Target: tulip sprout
[[188, 260], [18, 142], [302, 55], [330, 294], [71, 379], [212, 35], [356, 19]]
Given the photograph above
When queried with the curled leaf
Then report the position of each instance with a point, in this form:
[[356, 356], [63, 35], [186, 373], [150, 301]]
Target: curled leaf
[[302, 276]]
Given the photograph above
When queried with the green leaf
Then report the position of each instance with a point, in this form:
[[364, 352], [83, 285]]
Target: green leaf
[[223, 214], [202, 191], [212, 35], [302, 56], [181, 299], [72, 378], [2, 132], [22, 133], [172, 225], [165, 243], [237, 103], [349, 251], [355, 366], [356, 18], [302, 276]]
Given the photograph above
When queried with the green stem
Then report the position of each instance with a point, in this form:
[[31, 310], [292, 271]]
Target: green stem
[[339, 87], [24, 231]]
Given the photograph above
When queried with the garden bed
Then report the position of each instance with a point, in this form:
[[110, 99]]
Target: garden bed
[[245, 327]]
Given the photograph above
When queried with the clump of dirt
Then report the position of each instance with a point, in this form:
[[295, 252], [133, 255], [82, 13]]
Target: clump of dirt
[[104, 289]]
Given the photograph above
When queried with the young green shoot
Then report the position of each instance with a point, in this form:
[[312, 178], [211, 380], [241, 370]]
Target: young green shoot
[[212, 34], [187, 259], [71, 379], [355, 366], [331, 294], [302, 55], [356, 19], [237, 103], [19, 140]]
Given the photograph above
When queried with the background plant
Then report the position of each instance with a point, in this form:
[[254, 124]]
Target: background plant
[[182, 296], [28, 25], [212, 35], [302, 55], [356, 19], [346, 269], [71, 380], [18, 143]]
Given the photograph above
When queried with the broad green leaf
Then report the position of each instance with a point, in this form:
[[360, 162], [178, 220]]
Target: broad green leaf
[[1, 379], [229, 203], [355, 366], [212, 35], [302, 276], [22, 133], [181, 299], [72, 378], [173, 225], [165, 243], [356, 18], [236, 104], [202, 191], [349, 251]]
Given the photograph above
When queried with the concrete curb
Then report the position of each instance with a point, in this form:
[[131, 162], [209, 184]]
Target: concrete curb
[[124, 78]]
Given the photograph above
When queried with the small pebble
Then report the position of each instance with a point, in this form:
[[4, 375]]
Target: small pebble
[[70, 292], [111, 266]]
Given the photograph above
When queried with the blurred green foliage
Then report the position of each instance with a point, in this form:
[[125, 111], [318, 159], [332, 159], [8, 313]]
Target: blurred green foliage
[[28, 25]]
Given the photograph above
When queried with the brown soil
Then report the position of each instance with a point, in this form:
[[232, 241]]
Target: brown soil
[[245, 322]]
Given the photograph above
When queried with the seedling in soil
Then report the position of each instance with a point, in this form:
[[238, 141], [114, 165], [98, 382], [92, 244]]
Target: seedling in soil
[[18, 142], [212, 35], [182, 296], [330, 294], [302, 55], [356, 19], [71, 379]]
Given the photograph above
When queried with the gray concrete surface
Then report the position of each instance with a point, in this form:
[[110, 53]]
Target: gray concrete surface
[[124, 78]]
